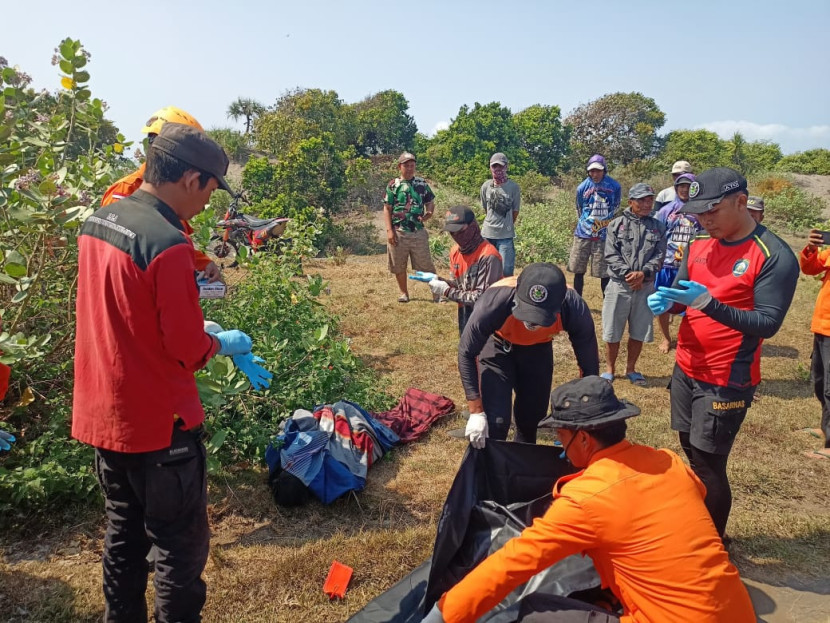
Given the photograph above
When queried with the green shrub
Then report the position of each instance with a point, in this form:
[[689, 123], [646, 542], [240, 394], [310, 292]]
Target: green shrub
[[813, 161], [535, 187], [311, 360], [544, 231]]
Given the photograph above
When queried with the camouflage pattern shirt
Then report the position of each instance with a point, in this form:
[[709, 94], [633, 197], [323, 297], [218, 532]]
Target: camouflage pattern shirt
[[407, 198]]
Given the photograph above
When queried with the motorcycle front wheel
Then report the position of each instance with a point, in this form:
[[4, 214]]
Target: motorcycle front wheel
[[223, 252]]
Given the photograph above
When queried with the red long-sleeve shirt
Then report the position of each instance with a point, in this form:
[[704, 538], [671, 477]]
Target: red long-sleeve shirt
[[140, 331]]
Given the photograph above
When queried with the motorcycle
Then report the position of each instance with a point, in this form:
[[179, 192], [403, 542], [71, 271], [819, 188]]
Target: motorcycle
[[242, 230]]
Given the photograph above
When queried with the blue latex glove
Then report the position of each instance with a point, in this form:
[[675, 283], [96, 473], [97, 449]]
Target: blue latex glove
[[233, 342], [258, 376], [691, 294], [6, 439], [422, 276], [658, 303]]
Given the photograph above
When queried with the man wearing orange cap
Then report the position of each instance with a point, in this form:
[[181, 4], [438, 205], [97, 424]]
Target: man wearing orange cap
[[128, 184]]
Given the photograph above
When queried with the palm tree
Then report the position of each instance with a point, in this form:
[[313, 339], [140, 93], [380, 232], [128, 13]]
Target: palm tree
[[245, 107]]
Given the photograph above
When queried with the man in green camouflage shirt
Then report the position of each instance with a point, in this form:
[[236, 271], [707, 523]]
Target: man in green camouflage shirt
[[408, 203]]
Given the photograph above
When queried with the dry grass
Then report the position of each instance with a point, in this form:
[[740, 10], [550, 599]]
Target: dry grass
[[268, 564]]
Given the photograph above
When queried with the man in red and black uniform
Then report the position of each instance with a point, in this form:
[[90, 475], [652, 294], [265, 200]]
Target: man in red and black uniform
[[510, 330], [735, 284], [140, 337], [475, 263]]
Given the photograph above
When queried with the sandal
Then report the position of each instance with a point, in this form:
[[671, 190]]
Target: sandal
[[403, 298], [637, 379], [607, 376], [824, 453]]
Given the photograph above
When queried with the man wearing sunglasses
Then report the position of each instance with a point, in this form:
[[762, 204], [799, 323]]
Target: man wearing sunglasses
[[735, 283]]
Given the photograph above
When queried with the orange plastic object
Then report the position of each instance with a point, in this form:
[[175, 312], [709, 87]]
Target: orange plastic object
[[337, 581]]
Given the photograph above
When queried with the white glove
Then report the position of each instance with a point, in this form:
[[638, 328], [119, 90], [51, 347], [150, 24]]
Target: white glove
[[476, 430], [434, 616], [212, 327], [439, 287]]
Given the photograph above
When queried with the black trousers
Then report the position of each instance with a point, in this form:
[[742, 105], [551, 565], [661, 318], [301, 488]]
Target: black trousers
[[525, 370], [820, 375], [155, 499]]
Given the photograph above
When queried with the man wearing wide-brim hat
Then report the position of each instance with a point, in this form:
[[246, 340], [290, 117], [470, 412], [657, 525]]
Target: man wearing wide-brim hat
[[735, 284], [637, 511]]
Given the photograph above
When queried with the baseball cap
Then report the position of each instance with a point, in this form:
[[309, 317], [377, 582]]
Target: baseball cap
[[540, 290], [406, 157], [681, 166], [684, 178], [498, 158], [195, 148], [755, 203], [712, 186], [457, 217], [596, 162], [588, 403], [638, 191]]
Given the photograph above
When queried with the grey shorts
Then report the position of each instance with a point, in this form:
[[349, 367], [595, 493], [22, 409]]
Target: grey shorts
[[584, 249], [411, 244], [623, 305]]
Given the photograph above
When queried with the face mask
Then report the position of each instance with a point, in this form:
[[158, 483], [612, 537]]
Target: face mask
[[501, 176], [468, 239]]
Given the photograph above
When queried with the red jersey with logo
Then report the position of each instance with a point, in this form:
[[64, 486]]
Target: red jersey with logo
[[752, 282]]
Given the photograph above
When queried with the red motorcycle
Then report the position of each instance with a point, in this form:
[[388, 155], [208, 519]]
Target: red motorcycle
[[256, 234]]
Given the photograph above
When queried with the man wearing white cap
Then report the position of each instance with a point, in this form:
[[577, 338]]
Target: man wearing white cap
[[667, 195]]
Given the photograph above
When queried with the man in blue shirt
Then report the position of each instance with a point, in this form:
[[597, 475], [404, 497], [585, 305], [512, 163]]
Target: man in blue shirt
[[597, 201]]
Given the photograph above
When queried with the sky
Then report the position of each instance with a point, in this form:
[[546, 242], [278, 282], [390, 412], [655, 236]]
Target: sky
[[759, 67]]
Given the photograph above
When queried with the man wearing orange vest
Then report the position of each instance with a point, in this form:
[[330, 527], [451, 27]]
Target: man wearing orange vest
[[474, 262], [128, 184], [510, 332], [815, 260], [638, 512]]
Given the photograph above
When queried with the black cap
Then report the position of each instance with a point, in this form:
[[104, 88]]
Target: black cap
[[540, 290], [588, 403], [457, 217], [195, 148], [712, 186]]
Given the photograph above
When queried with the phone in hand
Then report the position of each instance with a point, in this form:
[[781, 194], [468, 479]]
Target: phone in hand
[[825, 237]]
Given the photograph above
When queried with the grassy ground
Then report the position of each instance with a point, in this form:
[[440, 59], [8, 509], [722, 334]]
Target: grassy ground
[[269, 564]]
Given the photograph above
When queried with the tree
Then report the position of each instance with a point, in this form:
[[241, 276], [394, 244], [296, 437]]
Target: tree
[[543, 136], [303, 114], [751, 157], [248, 108], [383, 124], [702, 148], [621, 126], [460, 155], [234, 142]]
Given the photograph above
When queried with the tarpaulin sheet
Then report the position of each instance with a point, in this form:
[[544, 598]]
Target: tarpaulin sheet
[[496, 494]]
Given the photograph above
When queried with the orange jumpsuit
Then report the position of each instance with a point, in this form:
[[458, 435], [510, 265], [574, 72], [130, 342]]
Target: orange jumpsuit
[[639, 514], [817, 262], [126, 186]]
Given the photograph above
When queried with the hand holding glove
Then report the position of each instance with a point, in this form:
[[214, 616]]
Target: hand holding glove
[[658, 303], [434, 616], [422, 276], [233, 342], [439, 287], [694, 294], [6, 439], [476, 430], [259, 377]]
